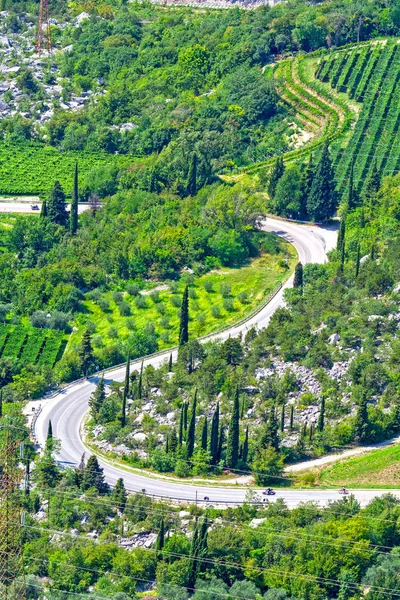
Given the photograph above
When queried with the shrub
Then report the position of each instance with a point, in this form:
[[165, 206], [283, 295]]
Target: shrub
[[97, 341], [103, 304], [149, 328], [133, 289], [94, 295], [124, 309], [155, 296], [208, 286], [112, 333], [160, 308], [164, 322], [117, 297], [38, 319], [176, 301], [59, 320], [140, 302], [228, 305], [216, 311], [225, 290], [243, 298], [165, 337], [192, 293], [130, 323]]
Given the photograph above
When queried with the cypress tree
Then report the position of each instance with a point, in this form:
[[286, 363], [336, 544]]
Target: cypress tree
[[73, 217], [372, 186], [321, 416], [358, 260], [306, 182], [245, 451], [185, 415], [193, 554], [93, 476], [167, 444], [140, 382], [56, 205], [170, 364], [214, 435], [160, 537], [49, 432], [291, 417], [298, 276], [86, 353], [180, 438], [43, 210], [322, 200], [192, 428], [1, 403], [221, 442], [361, 423], [119, 495], [173, 441], [341, 234], [232, 449], [126, 393], [184, 321], [277, 171], [271, 435], [342, 255], [352, 193], [311, 432], [191, 187], [153, 184], [283, 418], [97, 398], [204, 434]]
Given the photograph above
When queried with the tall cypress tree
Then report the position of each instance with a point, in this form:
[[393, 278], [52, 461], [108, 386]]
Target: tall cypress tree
[[321, 416], [1, 403], [180, 437], [140, 382], [204, 434], [173, 441], [214, 435], [43, 210], [277, 171], [191, 187], [341, 235], [221, 442], [119, 495], [232, 449], [298, 276], [283, 418], [306, 182], [126, 393], [184, 321], [73, 217], [351, 201], [245, 451], [358, 258], [56, 205], [372, 185], [361, 423], [192, 428], [170, 363], [291, 417], [160, 536], [185, 416], [97, 398], [86, 353], [322, 200], [49, 432]]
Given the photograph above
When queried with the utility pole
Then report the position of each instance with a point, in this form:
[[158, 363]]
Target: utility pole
[[43, 20], [12, 578]]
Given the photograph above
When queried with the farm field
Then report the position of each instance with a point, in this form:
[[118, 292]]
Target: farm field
[[216, 299], [26, 345], [32, 168]]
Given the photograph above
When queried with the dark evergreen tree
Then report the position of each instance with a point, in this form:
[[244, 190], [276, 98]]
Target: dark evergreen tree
[[214, 436], [306, 183], [371, 189], [232, 449], [181, 425], [221, 442], [49, 439], [160, 541], [352, 198], [153, 183], [56, 205], [97, 398], [283, 418], [170, 363], [93, 476], [204, 434], [173, 441], [79, 471], [277, 171], [43, 210], [341, 234], [73, 216], [184, 321], [322, 200], [298, 276], [191, 187], [271, 431], [140, 382], [358, 258], [167, 444], [125, 393], [192, 428], [231, 350], [119, 495], [1, 403], [245, 450], [321, 416], [185, 416], [361, 423], [291, 417], [86, 353]]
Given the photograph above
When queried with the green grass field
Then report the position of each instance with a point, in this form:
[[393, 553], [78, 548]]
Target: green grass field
[[209, 310]]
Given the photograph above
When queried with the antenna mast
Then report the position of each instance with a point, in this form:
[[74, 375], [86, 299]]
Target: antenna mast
[[43, 20]]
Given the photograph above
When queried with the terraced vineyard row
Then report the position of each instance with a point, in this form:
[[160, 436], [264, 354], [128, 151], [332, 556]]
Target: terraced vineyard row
[[30, 346], [369, 74], [24, 168]]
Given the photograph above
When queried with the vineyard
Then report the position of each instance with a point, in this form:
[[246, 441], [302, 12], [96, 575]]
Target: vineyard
[[369, 74], [30, 346], [32, 168]]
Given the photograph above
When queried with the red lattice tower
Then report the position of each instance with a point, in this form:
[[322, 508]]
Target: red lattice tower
[[43, 20], [12, 579]]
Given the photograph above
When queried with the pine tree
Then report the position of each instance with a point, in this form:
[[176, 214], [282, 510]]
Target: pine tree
[[181, 427], [73, 217], [173, 441], [306, 183], [358, 258], [291, 417], [86, 353], [160, 537], [93, 476], [126, 393], [170, 363], [185, 416], [204, 434], [43, 210], [192, 428], [245, 451], [271, 433], [97, 398], [184, 321], [321, 416], [352, 200], [283, 418], [341, 234], [298, 276], [277, 171], [221, 442], [191, 187], [214, 435], [56, 206], [119, 495], [372, 185], [361, 423], [232, 449], [322, 200], [49, 439]]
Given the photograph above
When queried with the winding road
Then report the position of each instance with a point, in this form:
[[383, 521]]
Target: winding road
[[67, 408]]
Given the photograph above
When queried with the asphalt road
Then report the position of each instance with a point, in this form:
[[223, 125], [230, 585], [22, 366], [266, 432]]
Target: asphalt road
[[25, 207], [68, 407]]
